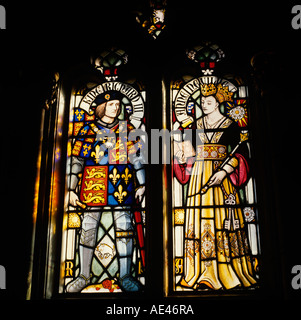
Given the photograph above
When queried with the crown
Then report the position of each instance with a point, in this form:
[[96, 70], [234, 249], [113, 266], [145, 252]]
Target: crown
[[208, 89], [221, 93]]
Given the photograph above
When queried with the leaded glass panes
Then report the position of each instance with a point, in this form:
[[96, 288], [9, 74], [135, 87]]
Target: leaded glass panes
[[153, 19], [103, 247], [215, 237]]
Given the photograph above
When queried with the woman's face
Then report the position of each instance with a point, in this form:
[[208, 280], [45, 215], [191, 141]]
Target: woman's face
[[112, 108], [209, 104]]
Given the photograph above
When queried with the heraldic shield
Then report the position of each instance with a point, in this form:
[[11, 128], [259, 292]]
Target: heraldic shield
[[94, 189], [111, 185]]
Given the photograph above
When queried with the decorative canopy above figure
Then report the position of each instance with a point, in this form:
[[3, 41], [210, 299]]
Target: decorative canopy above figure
[[108, 61], [206, 56]]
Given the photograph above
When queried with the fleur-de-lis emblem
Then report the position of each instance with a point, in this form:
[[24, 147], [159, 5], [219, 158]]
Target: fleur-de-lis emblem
[[97, 153], [120, 194], [126, 175], [114, 176], [79, 114]]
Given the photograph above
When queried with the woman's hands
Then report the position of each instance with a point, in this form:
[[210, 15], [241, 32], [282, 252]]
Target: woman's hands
[[217, 178]]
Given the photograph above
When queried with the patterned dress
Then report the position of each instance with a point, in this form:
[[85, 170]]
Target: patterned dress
[[216, 248]]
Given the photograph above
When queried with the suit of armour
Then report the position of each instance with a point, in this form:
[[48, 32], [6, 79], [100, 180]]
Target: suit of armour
[[106, 171]]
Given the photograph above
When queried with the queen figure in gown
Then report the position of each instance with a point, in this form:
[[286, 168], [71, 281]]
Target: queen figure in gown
[[216, 245]]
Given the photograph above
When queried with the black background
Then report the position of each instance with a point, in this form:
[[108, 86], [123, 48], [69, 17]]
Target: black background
[[42, 37]]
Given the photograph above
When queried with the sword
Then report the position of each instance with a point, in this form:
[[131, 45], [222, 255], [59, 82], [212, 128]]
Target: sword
[[243, 137], [139, 228]]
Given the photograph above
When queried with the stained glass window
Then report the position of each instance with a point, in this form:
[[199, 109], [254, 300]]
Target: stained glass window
[[102, 247], [153, 19], [215, 234]]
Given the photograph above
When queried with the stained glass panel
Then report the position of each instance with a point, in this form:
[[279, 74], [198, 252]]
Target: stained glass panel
[[153, 19], [103, 247], [215, 232]]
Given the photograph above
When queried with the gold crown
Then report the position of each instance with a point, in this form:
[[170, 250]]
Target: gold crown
[[221, 93], [208, 90]]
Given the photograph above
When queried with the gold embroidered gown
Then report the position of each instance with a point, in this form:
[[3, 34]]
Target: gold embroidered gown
[[216, 249]]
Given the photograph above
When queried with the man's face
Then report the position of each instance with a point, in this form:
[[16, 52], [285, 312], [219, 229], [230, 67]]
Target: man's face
[[112, 108]]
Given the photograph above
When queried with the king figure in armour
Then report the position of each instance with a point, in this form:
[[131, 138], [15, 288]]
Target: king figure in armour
[[107, 171]]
